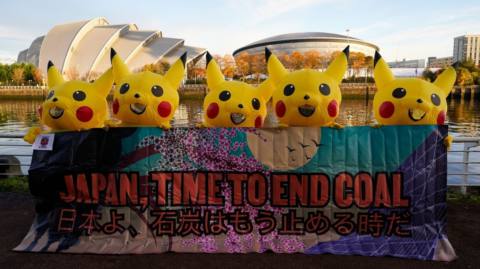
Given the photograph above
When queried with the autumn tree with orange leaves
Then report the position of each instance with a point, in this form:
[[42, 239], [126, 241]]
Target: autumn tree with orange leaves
[[297, 60], [312, 59], [243, 64], [195, 71], [247, 64], [286, 60], [229, 67], [357, 62]]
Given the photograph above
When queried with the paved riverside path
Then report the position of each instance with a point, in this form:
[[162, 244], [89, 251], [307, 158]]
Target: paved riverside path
[[16, 215]]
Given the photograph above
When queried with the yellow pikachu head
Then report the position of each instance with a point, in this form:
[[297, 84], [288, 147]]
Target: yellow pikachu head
[[410, 101], [75, 105], [146, 98], [307, 97], [233, 103]]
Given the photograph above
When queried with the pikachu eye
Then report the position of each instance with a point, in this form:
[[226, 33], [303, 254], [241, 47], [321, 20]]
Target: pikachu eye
[[157, 90], [124, 88], [288, 90], [256, 104], [224, 95], [79, 95], [324, 89], [50, 94], [435, 99], [399, 92]]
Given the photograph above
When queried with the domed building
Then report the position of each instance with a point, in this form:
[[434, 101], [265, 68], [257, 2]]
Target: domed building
[[83, 47], [324, 43]]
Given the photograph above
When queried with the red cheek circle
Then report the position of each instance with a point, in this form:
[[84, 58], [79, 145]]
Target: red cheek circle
[[333, 108], [258, 122], [212, 110], [280, 109], [164, 109], [84, 113], [115, 106], [441, 118], [386, 109]]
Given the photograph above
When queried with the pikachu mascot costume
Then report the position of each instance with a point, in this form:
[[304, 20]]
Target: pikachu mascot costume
[[233, 103], [410, 101], [146, 98], [73, 105], [307, 97]]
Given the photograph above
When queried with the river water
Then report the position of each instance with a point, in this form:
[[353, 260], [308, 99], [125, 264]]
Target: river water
[[463, 118], [463, 115]]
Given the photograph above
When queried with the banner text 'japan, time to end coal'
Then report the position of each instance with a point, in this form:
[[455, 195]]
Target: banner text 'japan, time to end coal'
[[357, 190]]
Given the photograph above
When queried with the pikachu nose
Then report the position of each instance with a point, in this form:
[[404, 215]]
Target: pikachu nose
[[306, 97], [419, 101], [137, 95], [55, 99], [240, 105]]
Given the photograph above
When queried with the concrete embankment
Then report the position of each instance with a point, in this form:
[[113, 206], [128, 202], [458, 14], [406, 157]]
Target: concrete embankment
[[198, 91]]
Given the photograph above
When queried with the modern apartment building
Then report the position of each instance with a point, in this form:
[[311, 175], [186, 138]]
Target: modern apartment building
[[434, 62], [466, 47]]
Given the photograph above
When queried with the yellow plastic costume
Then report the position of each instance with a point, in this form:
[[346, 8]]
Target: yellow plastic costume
[[146, 98], [307, 97], [233, 103], [410, 101], [73, 105]]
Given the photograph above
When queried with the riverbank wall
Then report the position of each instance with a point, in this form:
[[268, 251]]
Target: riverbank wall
[[198, 91]]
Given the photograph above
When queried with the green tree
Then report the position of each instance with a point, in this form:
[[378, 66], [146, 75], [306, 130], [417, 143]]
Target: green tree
[[464, 77], [475, 76], [3, 74], [469, 65], [467, 73], [17, 75], [29, 73]]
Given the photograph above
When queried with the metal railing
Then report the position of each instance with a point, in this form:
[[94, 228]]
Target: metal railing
[[15, 157], [463, 169]]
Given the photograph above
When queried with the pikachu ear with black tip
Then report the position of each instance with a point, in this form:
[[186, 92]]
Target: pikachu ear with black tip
[[119, 68], [381, 72], [104, 83], [214, 73], [275, 68], [336, 69], [54, 77], [446, 79], [176, 72]]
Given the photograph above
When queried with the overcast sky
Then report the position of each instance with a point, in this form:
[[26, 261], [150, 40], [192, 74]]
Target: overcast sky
[[402, 29]]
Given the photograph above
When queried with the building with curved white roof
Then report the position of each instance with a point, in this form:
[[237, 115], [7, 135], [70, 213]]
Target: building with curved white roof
[[325, 43], [83, 47]]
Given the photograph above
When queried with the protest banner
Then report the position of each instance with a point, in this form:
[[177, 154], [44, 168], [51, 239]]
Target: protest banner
[[357, 190]]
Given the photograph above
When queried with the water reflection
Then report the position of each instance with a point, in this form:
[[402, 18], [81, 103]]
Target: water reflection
[[463, 115], [17, 115]]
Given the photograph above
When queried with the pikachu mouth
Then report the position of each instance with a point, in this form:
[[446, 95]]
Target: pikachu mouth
[[306, 110], [55, 112], [416, 114], [138, 108], [237, 118]]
